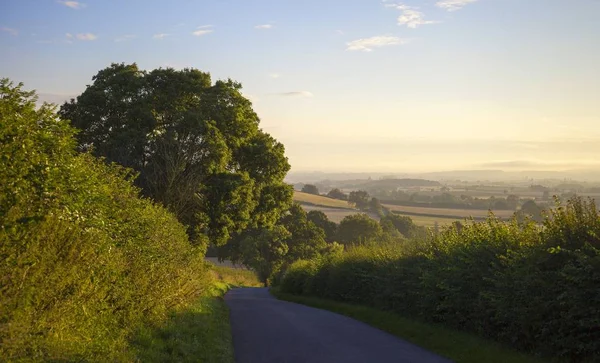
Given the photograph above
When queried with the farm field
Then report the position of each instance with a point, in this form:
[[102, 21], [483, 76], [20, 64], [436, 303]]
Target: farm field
[[320, 200], [429, 221], [335, 214], [447, 212]]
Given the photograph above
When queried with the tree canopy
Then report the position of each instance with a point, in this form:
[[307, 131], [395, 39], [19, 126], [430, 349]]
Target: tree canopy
[[360, 199], [196, 145], [337, 194], [310, 189], [358, 228]]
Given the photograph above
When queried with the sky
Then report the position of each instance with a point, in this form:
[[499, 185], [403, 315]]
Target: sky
[[353, 85]]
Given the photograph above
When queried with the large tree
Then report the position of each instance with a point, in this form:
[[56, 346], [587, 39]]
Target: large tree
[[196, 145], [310, 189], [360, 199], [357, 228]]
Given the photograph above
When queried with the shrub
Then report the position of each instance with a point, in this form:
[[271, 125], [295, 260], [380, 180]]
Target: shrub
[[85, 261]]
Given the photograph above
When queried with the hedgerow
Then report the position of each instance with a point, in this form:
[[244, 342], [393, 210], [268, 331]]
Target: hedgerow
[[535, 288], [85, 262]]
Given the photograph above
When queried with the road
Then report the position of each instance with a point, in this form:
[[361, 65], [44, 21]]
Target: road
[[268, 330]]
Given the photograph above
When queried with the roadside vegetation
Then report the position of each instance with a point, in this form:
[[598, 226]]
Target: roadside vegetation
[[529, 287], [101, 243]]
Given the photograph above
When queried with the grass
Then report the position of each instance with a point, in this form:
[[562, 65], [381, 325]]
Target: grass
[[455, 345], [200, 332], [320, 200], [235, 277]]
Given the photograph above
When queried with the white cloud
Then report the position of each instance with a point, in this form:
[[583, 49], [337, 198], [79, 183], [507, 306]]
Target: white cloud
[[160, 36], [411, 16], [86, 36], [264, 26], [203, 30], [72, 4], [11, 31], [367, 44], [124, 38], [453, 5], [274, 75], [296, 94], [80, 36]]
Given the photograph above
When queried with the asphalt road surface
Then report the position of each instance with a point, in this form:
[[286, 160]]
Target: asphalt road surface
[[268, 330]]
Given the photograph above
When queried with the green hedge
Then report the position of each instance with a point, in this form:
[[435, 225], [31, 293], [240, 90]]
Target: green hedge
[[534, 288], [84, 260]]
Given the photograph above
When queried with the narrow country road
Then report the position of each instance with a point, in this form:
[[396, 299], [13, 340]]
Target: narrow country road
[[267, 330]]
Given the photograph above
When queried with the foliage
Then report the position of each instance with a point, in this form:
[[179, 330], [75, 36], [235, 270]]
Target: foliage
[[320, 220], [199, 332], [337, 194], [360, 199], [310, 189], [197, 146], [533, 288], [84, 260], [358, 228]]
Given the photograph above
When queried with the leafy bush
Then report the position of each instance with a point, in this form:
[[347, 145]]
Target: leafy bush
[[533, 288], [85, 262]]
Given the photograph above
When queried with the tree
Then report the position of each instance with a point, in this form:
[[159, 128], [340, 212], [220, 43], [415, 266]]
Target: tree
[[196, 145], [310, 189], [306, 240], [402, 224], [375, 206], [320, 220], [359, 198], [531, 209], [358, 228], [268, 251], [337, 194]]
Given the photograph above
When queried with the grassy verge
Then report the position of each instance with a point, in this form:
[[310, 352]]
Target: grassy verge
[[199, 333], [458, 346]]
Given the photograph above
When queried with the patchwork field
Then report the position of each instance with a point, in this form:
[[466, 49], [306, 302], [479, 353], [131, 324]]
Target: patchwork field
[[447, 212], [320, 200], [335, 214]]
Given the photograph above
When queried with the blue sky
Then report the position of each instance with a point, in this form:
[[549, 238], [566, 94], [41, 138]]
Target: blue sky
[[355, 85]]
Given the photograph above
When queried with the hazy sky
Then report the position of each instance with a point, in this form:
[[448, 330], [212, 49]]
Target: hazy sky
[[353, 85]]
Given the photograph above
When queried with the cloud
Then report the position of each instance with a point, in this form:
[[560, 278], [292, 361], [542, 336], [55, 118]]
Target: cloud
[[411, 16], [72, 4], [274, 75], [124, 38], [453, 5], [11, 31], [81, 36], [367, 44], [264, 26], [160, 36], [296, 94], [203, 30]]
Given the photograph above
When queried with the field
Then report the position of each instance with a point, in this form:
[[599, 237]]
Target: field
[[430, 221], [335, 214], [305, 198], [447, 212]]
